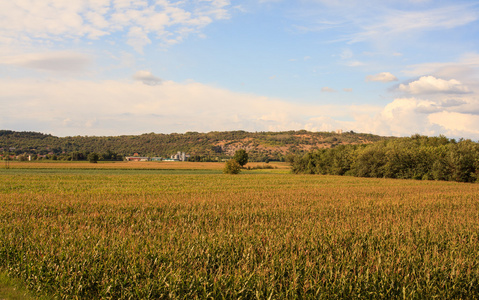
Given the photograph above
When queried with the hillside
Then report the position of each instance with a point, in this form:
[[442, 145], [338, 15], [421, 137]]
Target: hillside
[[260, 145]]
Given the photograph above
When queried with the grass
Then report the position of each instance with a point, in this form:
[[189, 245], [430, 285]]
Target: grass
[[143, 234], [116, 165], [123, 165], [11, 289]]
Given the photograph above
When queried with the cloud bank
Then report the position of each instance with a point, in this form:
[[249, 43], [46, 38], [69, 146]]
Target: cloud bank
[[57, 61], [78, 107]]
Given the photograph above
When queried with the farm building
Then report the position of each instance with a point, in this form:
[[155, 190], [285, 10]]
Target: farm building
[[137, 158], [180, 156]]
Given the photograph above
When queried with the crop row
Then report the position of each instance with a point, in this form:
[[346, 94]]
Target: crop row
[[248, 236]]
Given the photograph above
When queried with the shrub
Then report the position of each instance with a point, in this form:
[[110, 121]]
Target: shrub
[[232, 167], [93, 157]]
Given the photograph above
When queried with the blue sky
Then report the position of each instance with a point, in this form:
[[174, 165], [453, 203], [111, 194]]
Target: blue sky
[[113, 67]]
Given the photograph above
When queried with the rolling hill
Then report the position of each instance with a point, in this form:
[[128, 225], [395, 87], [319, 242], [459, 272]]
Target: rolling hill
[[259, 145]]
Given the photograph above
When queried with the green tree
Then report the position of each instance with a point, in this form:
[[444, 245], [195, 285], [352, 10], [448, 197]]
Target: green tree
[[93, 157], [241, 156], [232, 167]]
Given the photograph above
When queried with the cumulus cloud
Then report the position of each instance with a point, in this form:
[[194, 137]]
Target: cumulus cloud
[[146, 77], [50, 61], [51, 20], [402, 116], [327, 90], [382, 77], [457, 124], [407, 116], [431, 85], [453, 102]]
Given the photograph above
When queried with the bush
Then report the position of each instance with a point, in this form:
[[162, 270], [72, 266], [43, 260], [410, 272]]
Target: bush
[[232, 167], [93, 157]]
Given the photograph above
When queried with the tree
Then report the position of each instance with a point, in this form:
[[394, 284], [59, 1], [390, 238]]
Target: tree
[[232, 167], [93, 157], [241, 157]]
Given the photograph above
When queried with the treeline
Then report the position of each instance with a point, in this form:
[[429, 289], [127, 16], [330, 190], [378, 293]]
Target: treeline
[[73, 156], [417, 157]]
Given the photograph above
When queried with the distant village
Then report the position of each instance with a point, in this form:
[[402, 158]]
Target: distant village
[[31, 146], [179, 156]]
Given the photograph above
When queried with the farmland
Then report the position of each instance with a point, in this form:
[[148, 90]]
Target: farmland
[[155, 231]]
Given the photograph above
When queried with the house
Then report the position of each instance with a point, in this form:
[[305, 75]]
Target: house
[[170, 159], [179, 156], [137, 158]]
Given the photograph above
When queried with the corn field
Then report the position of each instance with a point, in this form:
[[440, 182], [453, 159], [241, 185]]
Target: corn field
[[123, 234]]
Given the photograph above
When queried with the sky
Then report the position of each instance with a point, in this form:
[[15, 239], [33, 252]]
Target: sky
[[116, 67]]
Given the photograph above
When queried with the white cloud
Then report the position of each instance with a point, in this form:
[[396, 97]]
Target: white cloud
[[396, 23], [78, 107], [65, 107], [147, 77], [29, 22], [138, 38], [50, 61], [382, 77], [407, 116], [347, 59], [349, 90], [346, 54], [323, 123], [457, 124], [431, 85], [354, 63], [269, 1], [327, 90], [463, 69], [401, 116], [382, 22]]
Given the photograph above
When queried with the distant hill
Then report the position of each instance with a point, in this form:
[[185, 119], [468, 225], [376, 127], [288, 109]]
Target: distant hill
[[260, 145]]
